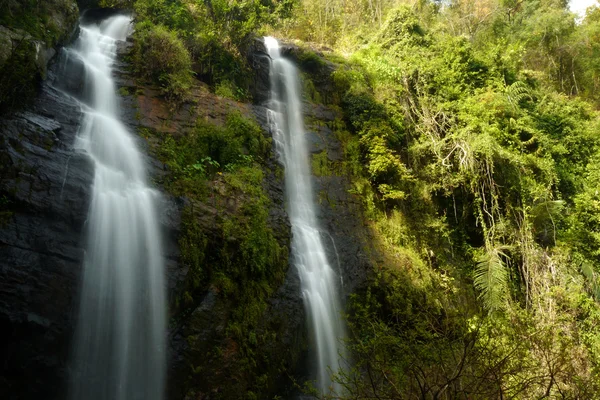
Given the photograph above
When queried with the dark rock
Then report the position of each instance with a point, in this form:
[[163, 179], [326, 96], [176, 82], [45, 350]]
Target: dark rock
[[44, 195], [72, 72], [91, 13], [32, 50], [340, 213], [344, 232], [260, 62], [87, 4], [195, 333]]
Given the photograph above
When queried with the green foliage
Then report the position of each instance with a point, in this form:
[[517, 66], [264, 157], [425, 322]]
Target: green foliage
[[226, 89], [476, 168], [193, 247], [48, 21], [491, 278], [26, 28], [321, 165], [216, 34], [400, 29], [161, 57], [127, 4], [208, 150], [227, 242]]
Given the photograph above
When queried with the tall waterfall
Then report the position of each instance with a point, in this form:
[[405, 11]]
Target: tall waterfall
[[319, 280], [120, 339]]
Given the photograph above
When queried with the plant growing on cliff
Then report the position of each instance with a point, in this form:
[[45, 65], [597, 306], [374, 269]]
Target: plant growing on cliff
[[161, 57]]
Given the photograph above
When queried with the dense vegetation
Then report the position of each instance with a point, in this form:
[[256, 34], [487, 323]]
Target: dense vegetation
[[471, 135], [215, 35], [228, 246]]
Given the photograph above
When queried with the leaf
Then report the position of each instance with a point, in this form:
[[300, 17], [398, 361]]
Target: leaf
[[591, 277], [517, 92], [491, 278]]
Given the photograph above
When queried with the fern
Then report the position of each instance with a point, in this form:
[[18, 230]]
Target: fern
[[517, 92], [491, 278]]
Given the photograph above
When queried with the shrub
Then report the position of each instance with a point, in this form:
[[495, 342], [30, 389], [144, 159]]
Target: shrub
[[160, 56]]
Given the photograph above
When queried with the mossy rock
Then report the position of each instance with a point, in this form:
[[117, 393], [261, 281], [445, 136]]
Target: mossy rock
[[29, 32]]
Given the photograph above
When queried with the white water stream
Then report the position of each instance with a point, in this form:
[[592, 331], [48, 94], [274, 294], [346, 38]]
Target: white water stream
[[120, 339], [319, 280]]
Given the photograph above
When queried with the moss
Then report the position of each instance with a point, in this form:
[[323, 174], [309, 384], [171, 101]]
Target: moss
[[310, 90], [227, 243], [27, 26], [19, 77], [192, 244], [241, 259], [309, 61], [321, 166], [126, 91], [42, 20]]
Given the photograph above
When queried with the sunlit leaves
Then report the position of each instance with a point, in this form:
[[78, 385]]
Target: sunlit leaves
[[491, 277]]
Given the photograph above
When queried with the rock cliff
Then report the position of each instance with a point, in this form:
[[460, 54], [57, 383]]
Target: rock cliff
[[44, 194]]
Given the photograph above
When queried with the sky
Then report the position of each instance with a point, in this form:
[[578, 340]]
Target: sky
[[579, 6]]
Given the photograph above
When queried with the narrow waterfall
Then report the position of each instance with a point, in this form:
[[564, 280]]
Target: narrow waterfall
[[319, 280], [119, 349]]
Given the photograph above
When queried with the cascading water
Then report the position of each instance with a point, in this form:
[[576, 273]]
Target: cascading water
[[319, 281], [120, 339]]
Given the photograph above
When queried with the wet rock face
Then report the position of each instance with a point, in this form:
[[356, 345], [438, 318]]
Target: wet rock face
[[347, 237], [260, 62], [344, 233], [87, 4], [44, 194]]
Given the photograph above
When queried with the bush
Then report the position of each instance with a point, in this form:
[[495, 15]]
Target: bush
[[160, 56]]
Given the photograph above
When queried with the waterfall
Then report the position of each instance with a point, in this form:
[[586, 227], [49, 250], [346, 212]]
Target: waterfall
[[119, 351], [318, 279]]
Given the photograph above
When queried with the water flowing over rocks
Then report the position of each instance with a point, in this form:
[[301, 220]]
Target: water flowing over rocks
[[339, 211], [119, 345], [197, 331], [319, 280]]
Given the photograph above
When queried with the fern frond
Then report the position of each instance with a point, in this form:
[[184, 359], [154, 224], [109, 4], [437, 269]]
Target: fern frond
[[491, 278], [517, 92]]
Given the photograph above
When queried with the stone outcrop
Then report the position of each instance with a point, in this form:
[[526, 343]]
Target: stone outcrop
[[29, 37]]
